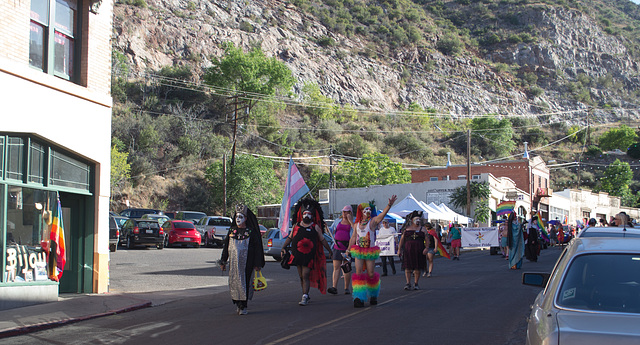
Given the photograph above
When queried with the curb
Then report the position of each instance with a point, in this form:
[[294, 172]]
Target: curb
[[47, 325]]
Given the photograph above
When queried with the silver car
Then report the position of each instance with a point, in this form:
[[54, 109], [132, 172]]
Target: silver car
[[213, 229], [610, 231], [272, 244], [591, 297]]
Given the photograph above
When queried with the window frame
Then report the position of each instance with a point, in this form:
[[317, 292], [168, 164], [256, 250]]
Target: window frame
[[51, 30]]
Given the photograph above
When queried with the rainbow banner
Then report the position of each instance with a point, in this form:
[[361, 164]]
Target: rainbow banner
[[505, 208], [542, 227], [566, 220], [57, 250], [294, 189], [439, 247]]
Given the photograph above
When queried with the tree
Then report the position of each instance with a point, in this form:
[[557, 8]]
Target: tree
[[616, 180], [372, 169], [251, 182], [250, 72], [479, 190], [120, 168], [492, 137], [617, 138]]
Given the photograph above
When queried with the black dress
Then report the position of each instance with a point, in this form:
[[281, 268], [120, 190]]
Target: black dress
[[412, 248], [304, 241], [531, 248]]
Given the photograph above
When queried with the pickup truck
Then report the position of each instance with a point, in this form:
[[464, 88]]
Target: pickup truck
[[272, 244], [213, 229]]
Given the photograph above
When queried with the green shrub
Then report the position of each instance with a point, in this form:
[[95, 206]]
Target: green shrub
[[326, 41], [449, 45]]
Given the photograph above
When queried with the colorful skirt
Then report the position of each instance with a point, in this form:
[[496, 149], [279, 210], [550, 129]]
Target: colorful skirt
[[369, 253]]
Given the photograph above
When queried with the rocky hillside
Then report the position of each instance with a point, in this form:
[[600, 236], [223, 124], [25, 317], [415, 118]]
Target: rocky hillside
[[568, 62]]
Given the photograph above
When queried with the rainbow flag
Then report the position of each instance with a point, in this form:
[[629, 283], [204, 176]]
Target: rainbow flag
[[439, 247], [566, 220], [57, 258], [294, 189], [505, 208], [542, 227]]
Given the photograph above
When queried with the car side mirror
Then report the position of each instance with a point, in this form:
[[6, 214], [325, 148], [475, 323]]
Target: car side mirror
[[535, 279]]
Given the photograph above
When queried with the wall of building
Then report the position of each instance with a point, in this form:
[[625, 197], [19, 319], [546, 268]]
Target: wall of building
[[74, 116], [583, 200]]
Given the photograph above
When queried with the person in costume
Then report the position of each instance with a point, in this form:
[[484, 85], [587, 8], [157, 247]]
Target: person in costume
[[366, 285], [306, 241], [431, 249], [515, 241], [413, 248], [341, 230], [243, 249]]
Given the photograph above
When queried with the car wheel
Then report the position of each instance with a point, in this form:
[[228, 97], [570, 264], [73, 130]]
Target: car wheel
[[160, 245], [130, 244], [197, 245], [207, 241], [113, 247]]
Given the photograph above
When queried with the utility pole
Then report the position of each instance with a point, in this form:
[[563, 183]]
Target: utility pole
[[236, 103], [224, 184], [468, 173], [330, 167]]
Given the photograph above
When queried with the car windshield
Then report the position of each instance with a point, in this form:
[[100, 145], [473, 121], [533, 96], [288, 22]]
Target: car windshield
[[602, 282], [610, 234], [184, 225], [152, 224], [219, 222]]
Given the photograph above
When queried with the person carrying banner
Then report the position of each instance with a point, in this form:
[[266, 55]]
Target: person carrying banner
[[431, 249], [515, 241], [413, 248], [306, 241], [366, 285], [242, 247], [341, 234], [386, 231]]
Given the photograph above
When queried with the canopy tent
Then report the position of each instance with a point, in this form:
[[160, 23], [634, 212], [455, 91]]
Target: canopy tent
[[408, 205], [456, 216], [393, 218], [434, 213]]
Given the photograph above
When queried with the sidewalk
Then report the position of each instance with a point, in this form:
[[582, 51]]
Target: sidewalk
[[72, 308]]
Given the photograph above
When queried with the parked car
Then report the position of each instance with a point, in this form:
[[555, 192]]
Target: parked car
[[181, 232], [192, 216], [160, 218], [145, 232], [213, 229], [115, 224], [610, 231], [272, 244], [591, 297], [137, 212]]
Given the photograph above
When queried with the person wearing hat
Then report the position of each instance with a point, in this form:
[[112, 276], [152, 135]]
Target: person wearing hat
[[243, 249], [387, 231], [341, 231]]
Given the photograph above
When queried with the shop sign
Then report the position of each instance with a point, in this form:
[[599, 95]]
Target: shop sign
[[25, 264]]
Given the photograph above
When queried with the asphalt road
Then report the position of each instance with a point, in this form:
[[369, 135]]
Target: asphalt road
[[476, 300]]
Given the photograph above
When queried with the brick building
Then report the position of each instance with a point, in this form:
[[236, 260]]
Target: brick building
[[529, 175], [55, 135]]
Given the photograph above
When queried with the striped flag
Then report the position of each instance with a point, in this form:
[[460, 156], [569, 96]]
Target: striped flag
[[439, 247], [294, 189], [505, 208], [57, 249], [542, 227]]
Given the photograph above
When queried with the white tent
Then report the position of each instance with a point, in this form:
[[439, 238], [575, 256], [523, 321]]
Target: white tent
[[434, 213], [456, 216], [408, 205]]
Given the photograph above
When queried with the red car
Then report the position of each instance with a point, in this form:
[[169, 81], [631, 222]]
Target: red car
[[181, 232]]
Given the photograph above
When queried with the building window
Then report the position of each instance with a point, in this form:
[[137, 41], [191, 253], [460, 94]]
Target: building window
[[68, 172], [433, 179], [36, 168], [448, 178], [15, 156], [53, 31], [462, 177], [475, 177]]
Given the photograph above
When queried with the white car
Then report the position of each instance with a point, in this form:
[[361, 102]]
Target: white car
[[213, 229], [610, 231], [591, 297]]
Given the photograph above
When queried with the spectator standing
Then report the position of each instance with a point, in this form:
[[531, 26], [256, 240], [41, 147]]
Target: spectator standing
[[456, 240], [387, 231]]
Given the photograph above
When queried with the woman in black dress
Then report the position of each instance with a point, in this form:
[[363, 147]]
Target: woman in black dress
[[412, 248]]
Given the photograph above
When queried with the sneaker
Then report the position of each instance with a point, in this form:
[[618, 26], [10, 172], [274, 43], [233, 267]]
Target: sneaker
[[407, 287], [416, 287], [424, 274], [429, 275], [243, 312], [373, 301], [347, 292], [357, 303], [332, 291], [305, 300]]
